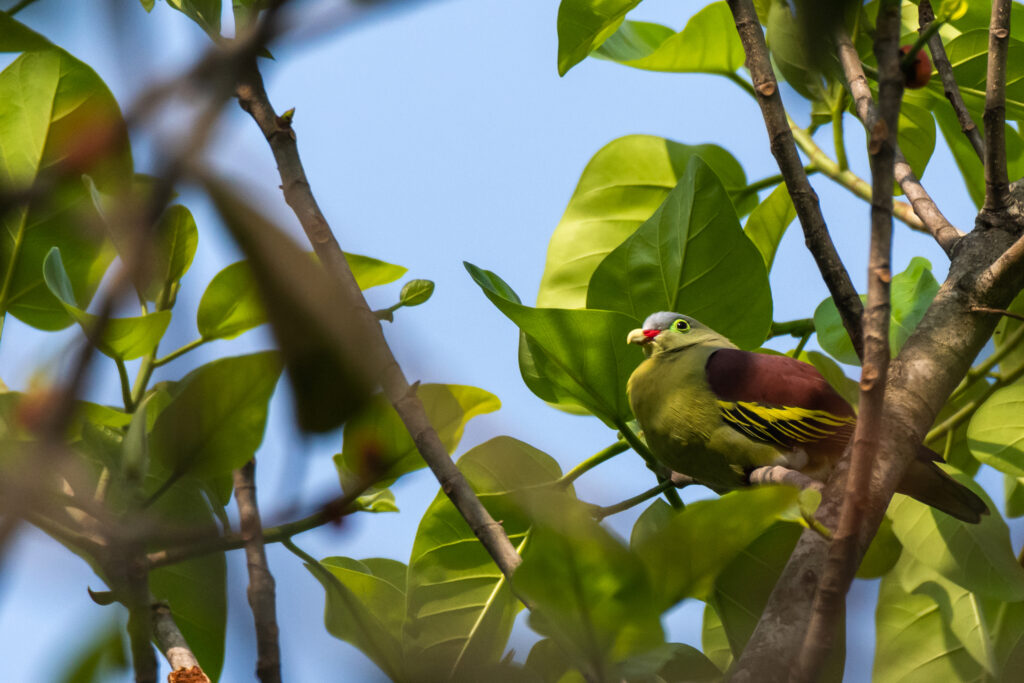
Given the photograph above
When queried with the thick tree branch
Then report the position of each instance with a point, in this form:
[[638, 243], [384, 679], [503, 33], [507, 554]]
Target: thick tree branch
[[252, 97], [997, 183], [941, 229], [805, 201], [184, 665], [842, 559], [926, 16], [261, 582]]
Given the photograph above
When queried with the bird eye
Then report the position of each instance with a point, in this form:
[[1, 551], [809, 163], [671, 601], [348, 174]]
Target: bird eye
[[681, 325]]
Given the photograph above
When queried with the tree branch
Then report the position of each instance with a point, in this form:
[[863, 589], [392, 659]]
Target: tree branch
[[949, 85], [184, 665], [261, 581], [252, 97], [997, 183], [940, 228], [842, 559], [805, 201]]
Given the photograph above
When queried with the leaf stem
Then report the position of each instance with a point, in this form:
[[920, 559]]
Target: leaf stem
[[838, 141], [803, 342], [960, 416], [126, 390], [794, 328], [602, 512], [593, 461], [982, 369], [637, 444], [194, 344], [770, 181], [740, 81]]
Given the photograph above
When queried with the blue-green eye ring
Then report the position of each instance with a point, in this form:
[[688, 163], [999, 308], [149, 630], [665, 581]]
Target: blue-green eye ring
[[681, 325]]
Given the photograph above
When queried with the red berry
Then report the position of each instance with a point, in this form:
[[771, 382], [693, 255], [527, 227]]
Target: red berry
[[917, 74]]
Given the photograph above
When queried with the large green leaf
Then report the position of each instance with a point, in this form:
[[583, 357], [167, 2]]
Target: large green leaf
[[377, 444], [122, 338], [215, 422], [195, 589], [975, 556], [619, 189], [1002, 337], [911, 293], [916, 136], [691, 256], [955, 448], [912, 641], [58, 119], [968, 54], [590, 593], [588, 347], [768, 222], [176, 240], [790, 51], [16, 37], [584, 24], [684, 556], [996, 432], [364, 607], [708, 44], [714, 639], [460, 610]]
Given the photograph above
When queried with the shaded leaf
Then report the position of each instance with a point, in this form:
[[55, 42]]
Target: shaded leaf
[[714, 639], [882, 554], [16, 37], [584, 24], [176, 240], [708, 44], [996, 431], [768, 222], [692, 257], [122, 338], [1007, 327], [1014, 495], [619, 189], [790, 51], [206, 13], [916, 136]]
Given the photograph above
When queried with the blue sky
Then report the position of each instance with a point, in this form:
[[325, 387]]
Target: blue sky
[[432, 133]]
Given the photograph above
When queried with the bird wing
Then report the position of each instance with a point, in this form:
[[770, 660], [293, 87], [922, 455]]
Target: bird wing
[[778, 400]]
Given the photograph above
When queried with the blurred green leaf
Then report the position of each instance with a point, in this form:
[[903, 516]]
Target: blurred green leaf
[[58, 120], [101, 659], [377, 444], [215, 422], [691, 256], [548, 660], [619, 189], [176, 240], [230, 305], [957, 451], [16, 37], [975, 556], [588, 347], [912, 640], [996, 431], [768, 222], [719, 528], [206, 13], [916, 136], [584, 24], [911, 294], [590, 593], [686, 663], [968, 54], [657, 515], [460, 610], [1006, 328], [122, 338], [713, 636], [708, 44], [1014, 495], [380, 500], [790, 51]]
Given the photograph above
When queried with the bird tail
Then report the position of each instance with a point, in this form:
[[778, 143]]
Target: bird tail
[[926, 482]]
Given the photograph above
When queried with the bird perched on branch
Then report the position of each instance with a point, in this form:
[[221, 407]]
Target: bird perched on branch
[[714, 412]]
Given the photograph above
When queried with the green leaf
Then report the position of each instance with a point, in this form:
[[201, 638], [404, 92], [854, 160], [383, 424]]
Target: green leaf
[[365, 603], [545, 378], [382, 500], [911, 294], [688, 664], [460, 610], [377, 444], [148, 5], [882, 554], [56, 115], [588, 347], [584, 24], [1006, 328], [996, 432], [916, 136], [975, 556], [790, 51], [176, 240], [720, 528], [548, 660], [956, 450], [657, 515], [691, 256], [215, 422], [968, 54], [713, 636], [196, 589], [591, 594], [913, 642], [834, 375], [1014, 495], [231, 304], [416, 292], [768, 222], [103, 658], [371, 272], [206, 13], [708, 44], [16, 37], [122, 338], [619, 189]]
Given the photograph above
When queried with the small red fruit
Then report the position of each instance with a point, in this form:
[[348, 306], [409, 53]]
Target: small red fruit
[[919, 72]]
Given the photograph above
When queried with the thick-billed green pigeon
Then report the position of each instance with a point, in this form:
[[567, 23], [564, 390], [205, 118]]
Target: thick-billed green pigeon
[[714, 412]]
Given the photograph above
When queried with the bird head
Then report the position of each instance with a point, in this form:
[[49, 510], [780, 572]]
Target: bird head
[[667, 331]]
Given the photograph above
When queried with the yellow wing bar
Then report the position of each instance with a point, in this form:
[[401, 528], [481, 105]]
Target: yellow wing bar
[[785, 426]]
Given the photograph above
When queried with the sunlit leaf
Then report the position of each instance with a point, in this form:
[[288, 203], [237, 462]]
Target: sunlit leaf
[[714, 639], [768, 222], [691, 256], [584, 24], [996, 431], [1014, 495], [122, 338], [916, 136], [619, 189], [206, 13], [176, 240], [1003, 337], [231, 304]]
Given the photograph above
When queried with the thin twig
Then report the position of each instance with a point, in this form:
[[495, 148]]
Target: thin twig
[[805, 201], [949, 85], [997, 183], [842, 559], [997, 311], [593, 461], [924, 206], [653, 492], [778, 475], [261, 581], [184, 665], [252, 97]]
